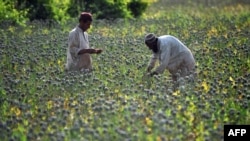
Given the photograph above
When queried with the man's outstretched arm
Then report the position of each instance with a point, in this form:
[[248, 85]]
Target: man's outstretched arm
[[90, 51]]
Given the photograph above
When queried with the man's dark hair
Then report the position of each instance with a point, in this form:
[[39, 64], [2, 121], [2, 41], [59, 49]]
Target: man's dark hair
[[85, 17]]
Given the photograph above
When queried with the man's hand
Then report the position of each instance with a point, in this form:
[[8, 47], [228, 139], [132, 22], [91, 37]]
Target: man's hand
[[149, 68], [145, 76], [150, 74], [98, 51], [153, 73], [89, 50]]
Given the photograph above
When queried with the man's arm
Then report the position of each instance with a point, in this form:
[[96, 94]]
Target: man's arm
[[72, 43], [165, 58], [152, 62], [90, 51]]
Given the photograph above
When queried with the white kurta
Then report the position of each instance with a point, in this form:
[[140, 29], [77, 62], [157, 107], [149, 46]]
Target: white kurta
[[173, 55], [77, 41]]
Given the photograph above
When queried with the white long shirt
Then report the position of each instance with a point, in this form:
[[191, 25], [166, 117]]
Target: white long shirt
[[170, 50], [77, 41]]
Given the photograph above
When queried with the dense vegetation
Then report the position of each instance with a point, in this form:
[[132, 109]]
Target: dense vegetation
[[39, 101], [21, 11]]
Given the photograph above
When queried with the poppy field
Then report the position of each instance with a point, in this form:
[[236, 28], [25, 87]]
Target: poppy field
[[40, 101]]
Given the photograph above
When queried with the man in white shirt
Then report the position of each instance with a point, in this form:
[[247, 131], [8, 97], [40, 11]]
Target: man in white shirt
[[172, 54], [78, 52]]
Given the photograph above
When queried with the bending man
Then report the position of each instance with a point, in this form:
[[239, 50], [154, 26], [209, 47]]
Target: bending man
[[172, 54]]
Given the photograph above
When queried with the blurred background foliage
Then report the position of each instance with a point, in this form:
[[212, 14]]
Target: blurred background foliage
[[21, 11]]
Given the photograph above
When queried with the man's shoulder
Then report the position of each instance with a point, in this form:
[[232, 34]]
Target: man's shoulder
[[73, 32], [85, 33], [166, 37]]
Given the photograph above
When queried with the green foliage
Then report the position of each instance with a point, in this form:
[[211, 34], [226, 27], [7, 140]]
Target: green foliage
[[137, 7], [8, 13], [112, 10], [22, 10], [109, 9], [39, 10], [206, 2], [47, 9], [19, 11], [75, 7], [59, 8]]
